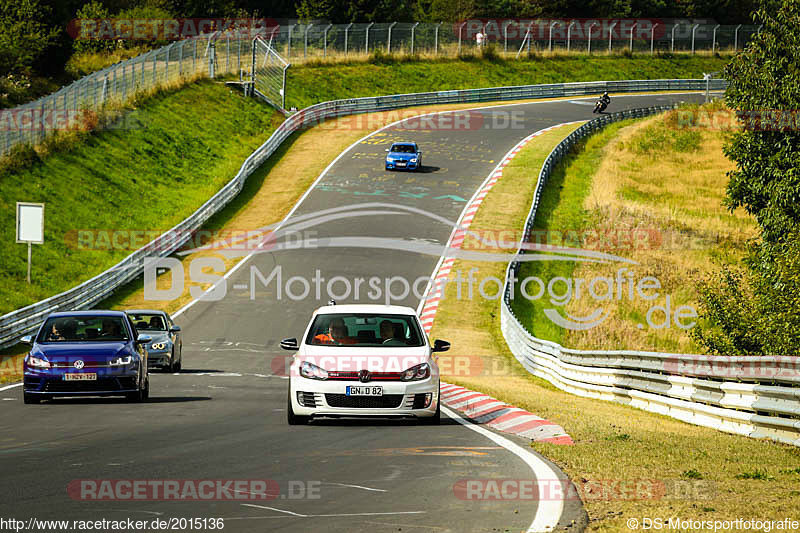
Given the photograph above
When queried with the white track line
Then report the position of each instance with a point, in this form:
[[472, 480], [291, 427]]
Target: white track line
[[549, 511], [10, 386]]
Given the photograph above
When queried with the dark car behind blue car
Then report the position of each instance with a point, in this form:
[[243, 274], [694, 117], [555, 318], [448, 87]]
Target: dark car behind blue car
[[86, 353]]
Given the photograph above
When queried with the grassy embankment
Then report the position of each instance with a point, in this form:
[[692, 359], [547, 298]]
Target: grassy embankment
[[318, 81], [707, 474]]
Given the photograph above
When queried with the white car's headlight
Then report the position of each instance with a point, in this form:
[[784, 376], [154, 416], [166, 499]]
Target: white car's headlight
[[416, 373], [158, 345], [38, 362], [311, 371], [121, 361]]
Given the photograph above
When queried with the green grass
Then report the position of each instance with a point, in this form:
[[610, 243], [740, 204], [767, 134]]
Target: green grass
[[188, 143], [317, 82], [561, 209]]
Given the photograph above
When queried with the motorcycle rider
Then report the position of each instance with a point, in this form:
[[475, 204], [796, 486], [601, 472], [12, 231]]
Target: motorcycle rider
[[602, 103]]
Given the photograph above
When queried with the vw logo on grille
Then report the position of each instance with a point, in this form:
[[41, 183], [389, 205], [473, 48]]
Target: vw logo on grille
[[78, 364], [364, 376]]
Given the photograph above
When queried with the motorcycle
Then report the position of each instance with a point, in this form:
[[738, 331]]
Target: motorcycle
[[601, 106]]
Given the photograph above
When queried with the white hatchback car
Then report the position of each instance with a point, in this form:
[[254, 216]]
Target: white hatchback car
[[364, 360]]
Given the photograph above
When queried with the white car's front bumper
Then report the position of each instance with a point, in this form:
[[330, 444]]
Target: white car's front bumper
[[398, 400]]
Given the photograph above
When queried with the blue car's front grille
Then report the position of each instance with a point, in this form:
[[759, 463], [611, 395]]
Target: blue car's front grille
[[106, 384]]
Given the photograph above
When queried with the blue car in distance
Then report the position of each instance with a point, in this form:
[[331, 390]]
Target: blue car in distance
[[403, 156], [86, 353]]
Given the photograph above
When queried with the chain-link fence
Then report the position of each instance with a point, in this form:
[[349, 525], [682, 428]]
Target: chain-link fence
[[218, 53], [298, 42], [79, 103]]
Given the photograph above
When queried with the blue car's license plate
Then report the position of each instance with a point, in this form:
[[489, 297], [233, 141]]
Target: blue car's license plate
[[353, 390]]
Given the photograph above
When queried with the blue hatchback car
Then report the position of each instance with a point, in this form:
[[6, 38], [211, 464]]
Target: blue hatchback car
[[86, 353], [403, 156]]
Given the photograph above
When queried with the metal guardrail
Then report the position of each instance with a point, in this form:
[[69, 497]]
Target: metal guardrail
[[23, 321], [754, 396]]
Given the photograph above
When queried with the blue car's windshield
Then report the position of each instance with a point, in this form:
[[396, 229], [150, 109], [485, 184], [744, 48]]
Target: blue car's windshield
[[84, 328], [403, 149]]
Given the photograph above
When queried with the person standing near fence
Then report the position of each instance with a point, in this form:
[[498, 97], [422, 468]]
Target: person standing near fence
[[479, 38]]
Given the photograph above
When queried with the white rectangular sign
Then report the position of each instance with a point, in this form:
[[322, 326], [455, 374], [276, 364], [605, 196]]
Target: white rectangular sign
[[30, 222]]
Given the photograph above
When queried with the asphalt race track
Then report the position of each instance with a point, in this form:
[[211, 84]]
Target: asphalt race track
[[224, 416]]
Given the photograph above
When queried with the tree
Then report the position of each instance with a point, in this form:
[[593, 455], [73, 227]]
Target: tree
[[754, 310], [24, 34]]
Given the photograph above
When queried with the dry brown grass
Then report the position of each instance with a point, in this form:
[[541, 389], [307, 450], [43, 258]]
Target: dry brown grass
[[670, 184], [698, 467]]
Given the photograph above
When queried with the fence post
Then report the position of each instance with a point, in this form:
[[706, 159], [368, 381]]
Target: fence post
[[283, 88], [459, 36], [611, 29], [414, 27], [436, 39], [114, 89], [155, 75], [366, 38], [346, 30], [389, 39], [194, 57], [632, 28], [228, 54], [180, 59], [212, 57], [714, 40], [672, 48], [305, 40], [289, 42], [325, 49], [592, 25], [693, 30], [550, 36], [736, 38], [653, 39], [569, 35]]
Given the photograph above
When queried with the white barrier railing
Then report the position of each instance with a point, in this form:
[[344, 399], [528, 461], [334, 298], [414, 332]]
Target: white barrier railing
[[754, 396]]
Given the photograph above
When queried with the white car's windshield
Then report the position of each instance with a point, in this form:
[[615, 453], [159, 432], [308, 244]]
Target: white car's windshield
[[365, 329]]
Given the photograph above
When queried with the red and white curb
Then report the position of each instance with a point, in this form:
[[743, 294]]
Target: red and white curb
[[431, 304], [489, 411]]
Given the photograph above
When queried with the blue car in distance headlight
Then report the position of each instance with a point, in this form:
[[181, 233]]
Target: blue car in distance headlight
[[403, 156], [86, 353]]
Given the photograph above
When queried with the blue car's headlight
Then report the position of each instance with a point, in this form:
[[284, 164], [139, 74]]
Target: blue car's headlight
[[121, 361], [414, 160], [38, 362]]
